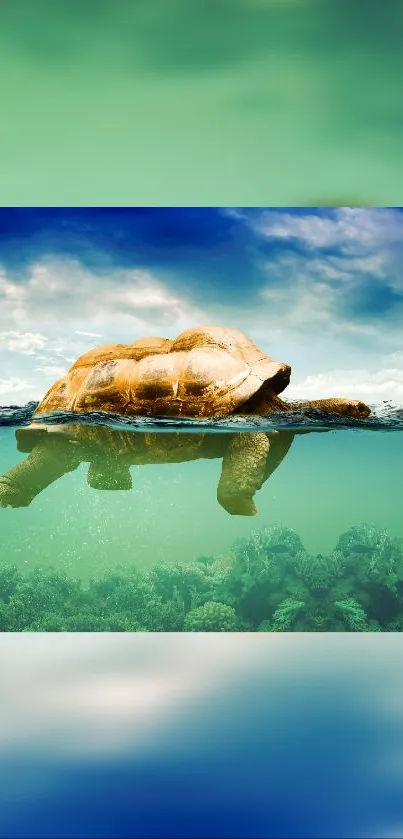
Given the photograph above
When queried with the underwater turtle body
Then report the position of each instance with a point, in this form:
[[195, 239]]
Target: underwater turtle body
[[204, 372], [248, 459]]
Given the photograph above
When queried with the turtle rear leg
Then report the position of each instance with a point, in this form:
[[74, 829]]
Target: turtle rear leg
[[243, 472]]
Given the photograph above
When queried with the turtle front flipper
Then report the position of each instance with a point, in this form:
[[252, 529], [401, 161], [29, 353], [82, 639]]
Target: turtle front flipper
[[344, 407], [251, 458], [280, 442], [49, 460], [243, 472]]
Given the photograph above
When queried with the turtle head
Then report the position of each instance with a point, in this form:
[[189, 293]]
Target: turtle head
[[353, 408], [281, 378]]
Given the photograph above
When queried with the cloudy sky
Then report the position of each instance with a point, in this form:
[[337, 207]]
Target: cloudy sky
[[319, 288], [160, 735]]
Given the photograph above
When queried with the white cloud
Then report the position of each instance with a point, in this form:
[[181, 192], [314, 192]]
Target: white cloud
[[339, 268], [307, 297], [106, 695], [142, 296], [302, 304], [353, 230], [385, 384], [25, 343], [65, 287], [53, 370], [10, 292], [55, 350], [13, 384], [13, 389]]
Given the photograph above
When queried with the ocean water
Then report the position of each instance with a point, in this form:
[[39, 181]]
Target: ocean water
[[327, 528]]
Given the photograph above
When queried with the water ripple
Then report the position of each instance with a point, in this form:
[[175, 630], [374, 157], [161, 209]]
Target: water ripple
[[384, 418]]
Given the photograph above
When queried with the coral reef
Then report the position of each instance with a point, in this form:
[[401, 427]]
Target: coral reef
[[374, 555], [267, 583], [190, 581], [319, 572], [212, 617], [277, 585], [285, 615]]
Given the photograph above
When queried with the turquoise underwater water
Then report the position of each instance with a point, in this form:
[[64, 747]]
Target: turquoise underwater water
[[347, 480]]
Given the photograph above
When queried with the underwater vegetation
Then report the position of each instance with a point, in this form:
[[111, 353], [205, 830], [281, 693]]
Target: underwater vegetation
[[267, 583]]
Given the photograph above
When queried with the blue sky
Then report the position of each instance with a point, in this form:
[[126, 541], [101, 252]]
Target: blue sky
[[319, 288], [157, 735]]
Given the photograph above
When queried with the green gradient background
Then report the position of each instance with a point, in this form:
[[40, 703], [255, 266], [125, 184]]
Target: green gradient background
[[175, 102]]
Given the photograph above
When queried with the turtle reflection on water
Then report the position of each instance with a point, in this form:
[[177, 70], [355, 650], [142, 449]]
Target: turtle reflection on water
[[248, 460], [57, 449], [209, 371]]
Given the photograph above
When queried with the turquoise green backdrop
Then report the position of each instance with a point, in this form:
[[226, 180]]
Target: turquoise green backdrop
[[214, 102]]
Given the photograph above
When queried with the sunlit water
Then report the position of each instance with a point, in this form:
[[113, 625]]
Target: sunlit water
[[326, 484]]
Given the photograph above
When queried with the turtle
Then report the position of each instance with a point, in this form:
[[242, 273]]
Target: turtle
[[206, 372], [209, 371]]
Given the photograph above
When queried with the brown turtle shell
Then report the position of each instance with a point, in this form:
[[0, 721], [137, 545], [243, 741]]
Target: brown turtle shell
[[204, 372]]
